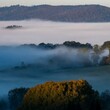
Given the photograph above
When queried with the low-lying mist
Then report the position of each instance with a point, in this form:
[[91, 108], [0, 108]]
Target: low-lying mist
[[60, 57], [27, 67], [36, 31]]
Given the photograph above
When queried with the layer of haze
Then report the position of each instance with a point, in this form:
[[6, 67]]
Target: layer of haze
[[27, 67], [36, 31]]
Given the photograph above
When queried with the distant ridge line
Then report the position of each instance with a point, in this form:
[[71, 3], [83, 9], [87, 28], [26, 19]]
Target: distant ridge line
[[62, 13]]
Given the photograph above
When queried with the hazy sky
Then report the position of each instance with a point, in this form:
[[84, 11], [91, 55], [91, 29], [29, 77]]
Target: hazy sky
[[54, 2]]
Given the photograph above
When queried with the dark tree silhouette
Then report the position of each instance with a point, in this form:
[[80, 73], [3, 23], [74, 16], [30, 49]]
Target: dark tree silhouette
[[3, 104], [16, 97], [105, 100]]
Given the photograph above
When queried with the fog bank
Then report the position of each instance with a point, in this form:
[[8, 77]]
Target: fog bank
[[60, 57], [36, 31], [27, 66]]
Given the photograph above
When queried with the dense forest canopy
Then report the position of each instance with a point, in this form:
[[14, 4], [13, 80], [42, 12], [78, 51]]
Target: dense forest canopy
[[80, 13]]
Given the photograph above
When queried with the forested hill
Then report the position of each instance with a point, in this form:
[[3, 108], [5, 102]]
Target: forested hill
[[80, 13]]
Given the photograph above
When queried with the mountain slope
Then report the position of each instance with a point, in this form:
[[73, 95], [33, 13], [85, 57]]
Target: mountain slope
[[81, 13]]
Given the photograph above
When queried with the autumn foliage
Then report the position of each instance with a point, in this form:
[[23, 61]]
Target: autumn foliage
[[70, 95]]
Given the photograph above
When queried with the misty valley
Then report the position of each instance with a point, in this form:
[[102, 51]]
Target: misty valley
[[34, 52], [28, 65]]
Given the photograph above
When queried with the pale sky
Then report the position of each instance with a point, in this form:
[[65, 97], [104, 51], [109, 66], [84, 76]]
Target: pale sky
[[54, 2]]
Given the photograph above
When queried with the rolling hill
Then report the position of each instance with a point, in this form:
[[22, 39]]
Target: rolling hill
[[80, 13]]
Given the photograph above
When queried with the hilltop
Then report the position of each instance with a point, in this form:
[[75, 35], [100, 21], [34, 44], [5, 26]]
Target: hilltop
[[80, 13]]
